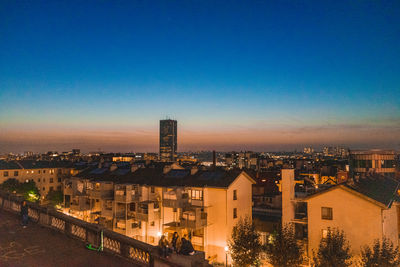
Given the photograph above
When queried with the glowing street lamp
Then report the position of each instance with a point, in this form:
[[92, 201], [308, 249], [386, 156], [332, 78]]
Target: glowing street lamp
[[226, 255]]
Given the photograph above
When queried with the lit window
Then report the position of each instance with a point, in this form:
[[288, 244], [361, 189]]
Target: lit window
[[324, 233], [326, 213], [197, 194]]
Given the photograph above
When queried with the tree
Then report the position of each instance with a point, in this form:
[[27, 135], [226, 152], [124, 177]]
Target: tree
[[333, 251], [10, 185], [383, 254], [284, 251], [28, 189], [55, 197], [245, 246]]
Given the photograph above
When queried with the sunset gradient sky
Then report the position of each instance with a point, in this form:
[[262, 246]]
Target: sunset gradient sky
[[237, 75]]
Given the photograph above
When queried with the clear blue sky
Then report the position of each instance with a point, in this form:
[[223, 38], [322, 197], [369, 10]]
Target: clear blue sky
[[261, 75]]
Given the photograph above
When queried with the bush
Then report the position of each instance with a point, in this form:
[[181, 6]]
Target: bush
[[333, 251], [284, 251], [245, 246], [382, 254], [28, 190]]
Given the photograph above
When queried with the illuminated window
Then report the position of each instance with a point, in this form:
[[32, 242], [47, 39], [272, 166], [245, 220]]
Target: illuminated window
[[326, 213], [197, 194], [234, 194], [324, 233], [234, 213]]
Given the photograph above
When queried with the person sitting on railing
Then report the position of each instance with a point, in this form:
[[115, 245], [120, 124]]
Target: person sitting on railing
[[186, 247], [24, 214], [163, 245], [176, 242]]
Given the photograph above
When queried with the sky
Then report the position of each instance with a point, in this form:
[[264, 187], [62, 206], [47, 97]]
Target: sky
[[237, 75]]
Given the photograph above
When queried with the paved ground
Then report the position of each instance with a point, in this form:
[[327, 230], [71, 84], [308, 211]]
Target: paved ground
[[39, 246]]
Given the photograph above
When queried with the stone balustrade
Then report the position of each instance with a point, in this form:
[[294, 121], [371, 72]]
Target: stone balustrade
[[140, 253]]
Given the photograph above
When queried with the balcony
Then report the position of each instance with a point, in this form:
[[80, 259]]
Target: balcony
[[146, 216], [126, 196], [107, 213], [172, 199], [194, 219], [300, 213], [148, 211], [100, 194]]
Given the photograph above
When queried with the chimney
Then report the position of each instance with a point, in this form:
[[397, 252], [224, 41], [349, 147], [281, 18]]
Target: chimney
[[134, 168], [113, 167], [214, 159], [288, 195], [167, 168], [193, 170]]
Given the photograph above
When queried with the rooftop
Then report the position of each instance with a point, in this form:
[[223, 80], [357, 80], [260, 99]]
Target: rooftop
[[39, 246]]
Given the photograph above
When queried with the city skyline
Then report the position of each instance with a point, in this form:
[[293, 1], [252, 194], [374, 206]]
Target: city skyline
[[256, 76]]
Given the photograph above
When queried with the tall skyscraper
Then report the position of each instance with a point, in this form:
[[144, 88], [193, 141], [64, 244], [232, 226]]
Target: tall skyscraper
[[168, 140]]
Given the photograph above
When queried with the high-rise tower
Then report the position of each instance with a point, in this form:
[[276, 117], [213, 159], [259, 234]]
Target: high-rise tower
[[168, 140]]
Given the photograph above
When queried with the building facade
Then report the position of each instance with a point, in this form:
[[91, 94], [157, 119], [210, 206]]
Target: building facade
[[372, 161], [168, 140], [47, 175], [146, 203], [365, 210]]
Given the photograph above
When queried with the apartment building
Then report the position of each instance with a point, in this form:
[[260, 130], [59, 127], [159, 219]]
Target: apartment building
[[365, 210], [48, 175], [144, 203]]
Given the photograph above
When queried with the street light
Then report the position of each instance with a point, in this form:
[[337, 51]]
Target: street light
[[226, 255]]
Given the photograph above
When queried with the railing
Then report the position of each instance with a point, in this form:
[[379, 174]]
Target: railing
[[140, 253]]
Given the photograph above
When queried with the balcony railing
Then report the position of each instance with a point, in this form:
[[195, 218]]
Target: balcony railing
[[103, 194], [139, 253], [193, 224]]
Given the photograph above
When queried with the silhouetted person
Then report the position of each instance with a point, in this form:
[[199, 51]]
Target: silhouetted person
[[163, 246], [24, 214], [176, 242], [186, 247]]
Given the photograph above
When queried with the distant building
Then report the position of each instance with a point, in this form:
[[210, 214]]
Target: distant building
[[241, 160], [168, 140], [47, 175], [372, 161]]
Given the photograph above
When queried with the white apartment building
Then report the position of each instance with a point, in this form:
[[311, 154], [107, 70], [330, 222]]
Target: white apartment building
[[145, 203]]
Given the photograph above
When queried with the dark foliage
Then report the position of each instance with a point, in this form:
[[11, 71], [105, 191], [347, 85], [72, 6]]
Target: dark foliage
[[382, 254], [283, 251], [333, 251], [245, 246]]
